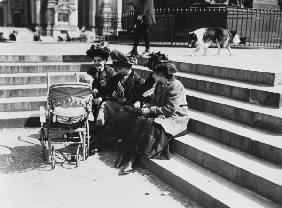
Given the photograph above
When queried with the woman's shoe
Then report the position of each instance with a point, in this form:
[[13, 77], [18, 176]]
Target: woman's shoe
[[118, 162], [127, 168]]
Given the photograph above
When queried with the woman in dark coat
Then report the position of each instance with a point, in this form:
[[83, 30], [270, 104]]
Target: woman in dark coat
[[165, 117], [100, 73]]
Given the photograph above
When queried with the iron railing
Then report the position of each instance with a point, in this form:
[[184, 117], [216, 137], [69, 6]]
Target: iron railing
[[257, 27]]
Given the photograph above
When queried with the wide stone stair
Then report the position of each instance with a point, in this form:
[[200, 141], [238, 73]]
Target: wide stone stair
[[232, 154], [23, 85]]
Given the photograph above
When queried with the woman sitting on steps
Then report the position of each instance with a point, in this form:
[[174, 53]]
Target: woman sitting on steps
[[163, 118]]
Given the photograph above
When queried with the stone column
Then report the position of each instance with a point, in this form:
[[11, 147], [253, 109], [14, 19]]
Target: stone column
[[50, 16], [38, 11], [33, 12], [119, 15], [9, 13], [92, 14]]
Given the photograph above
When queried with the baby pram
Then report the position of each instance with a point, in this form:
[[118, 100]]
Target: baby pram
[[65, 121]]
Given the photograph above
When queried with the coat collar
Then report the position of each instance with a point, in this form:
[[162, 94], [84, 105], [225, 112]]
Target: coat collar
[[169, 82]]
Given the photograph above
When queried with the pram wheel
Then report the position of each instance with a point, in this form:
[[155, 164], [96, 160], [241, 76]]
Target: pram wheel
[[77, 156], [44, 154], [52, 157], [42, 140], [86, 151]]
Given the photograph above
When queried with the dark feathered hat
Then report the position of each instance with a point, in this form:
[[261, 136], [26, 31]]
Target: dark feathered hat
[[155, 59], [121, 60], [99, 48], [166, 68]]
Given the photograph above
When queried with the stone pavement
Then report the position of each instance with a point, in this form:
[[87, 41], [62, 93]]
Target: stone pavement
[[28, 182], [250, 59]]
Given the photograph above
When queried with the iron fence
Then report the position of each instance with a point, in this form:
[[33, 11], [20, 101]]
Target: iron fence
[[257, 27]]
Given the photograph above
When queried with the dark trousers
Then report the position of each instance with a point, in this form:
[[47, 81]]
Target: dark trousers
[[142, 29]]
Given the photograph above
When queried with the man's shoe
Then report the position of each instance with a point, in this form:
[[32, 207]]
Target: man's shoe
[[133, 52], [146, 52]]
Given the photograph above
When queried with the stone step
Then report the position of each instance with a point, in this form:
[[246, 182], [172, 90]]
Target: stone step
[[36, 78], [16, 104], [253, 141], [256, 116], [19, 119], [261, 95], [203, 186], [43, 58], [31, 90], [10, 68], [250, 75], [243, 169]]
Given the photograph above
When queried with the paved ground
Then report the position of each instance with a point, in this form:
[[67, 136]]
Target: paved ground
[[28, 182], [250, 59]]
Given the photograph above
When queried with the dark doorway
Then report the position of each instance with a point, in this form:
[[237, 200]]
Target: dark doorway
[[1, 17], [17, 20]]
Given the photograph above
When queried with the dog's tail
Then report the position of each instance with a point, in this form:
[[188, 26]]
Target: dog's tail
[[234, 37]]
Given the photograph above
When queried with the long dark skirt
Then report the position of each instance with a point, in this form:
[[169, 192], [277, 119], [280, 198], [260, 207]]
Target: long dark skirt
[[147, 139]]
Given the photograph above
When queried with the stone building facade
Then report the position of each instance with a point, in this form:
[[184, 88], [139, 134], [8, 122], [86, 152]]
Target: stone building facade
[[57, 15], [68, 15]]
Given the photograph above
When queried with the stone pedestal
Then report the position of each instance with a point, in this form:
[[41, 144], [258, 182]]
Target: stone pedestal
[[104, 20], [119, 16], [65, 17], [267, 4]]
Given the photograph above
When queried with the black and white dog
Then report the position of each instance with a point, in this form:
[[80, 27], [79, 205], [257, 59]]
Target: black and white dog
[[203, 38]]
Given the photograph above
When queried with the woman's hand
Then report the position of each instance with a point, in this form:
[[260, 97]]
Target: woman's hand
[[146, 105], [145, 111], [97, 101], [137, 104], [139, 18]]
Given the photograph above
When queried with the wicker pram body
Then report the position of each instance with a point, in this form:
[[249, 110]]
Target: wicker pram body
[[66, 114], [70, 104]]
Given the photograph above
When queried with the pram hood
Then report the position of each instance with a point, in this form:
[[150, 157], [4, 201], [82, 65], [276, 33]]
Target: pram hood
[[70, 89], [69, 92]]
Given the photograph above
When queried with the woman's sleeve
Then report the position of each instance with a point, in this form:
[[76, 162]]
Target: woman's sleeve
[[173, 100], [109, 89]]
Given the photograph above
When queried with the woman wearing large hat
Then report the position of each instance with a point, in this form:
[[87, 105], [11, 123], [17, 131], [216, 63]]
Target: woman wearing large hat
[[122, 88], [147, 88], [100, 73], [123, 91], [162, 119]]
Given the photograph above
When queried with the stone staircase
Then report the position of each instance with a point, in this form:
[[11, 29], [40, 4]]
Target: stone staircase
[[231, 156], [23, 85]]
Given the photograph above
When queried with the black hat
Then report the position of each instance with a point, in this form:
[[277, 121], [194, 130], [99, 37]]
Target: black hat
[[99, 48], [166, 68], [121, 60], [155, 59]]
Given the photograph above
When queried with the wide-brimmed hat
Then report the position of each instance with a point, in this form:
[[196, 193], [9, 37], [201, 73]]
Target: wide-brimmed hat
[[119, 59], [166, 68], [155, 59], [99, 48]]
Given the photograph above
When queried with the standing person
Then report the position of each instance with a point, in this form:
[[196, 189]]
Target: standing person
[[165, 117], [144, 17]]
